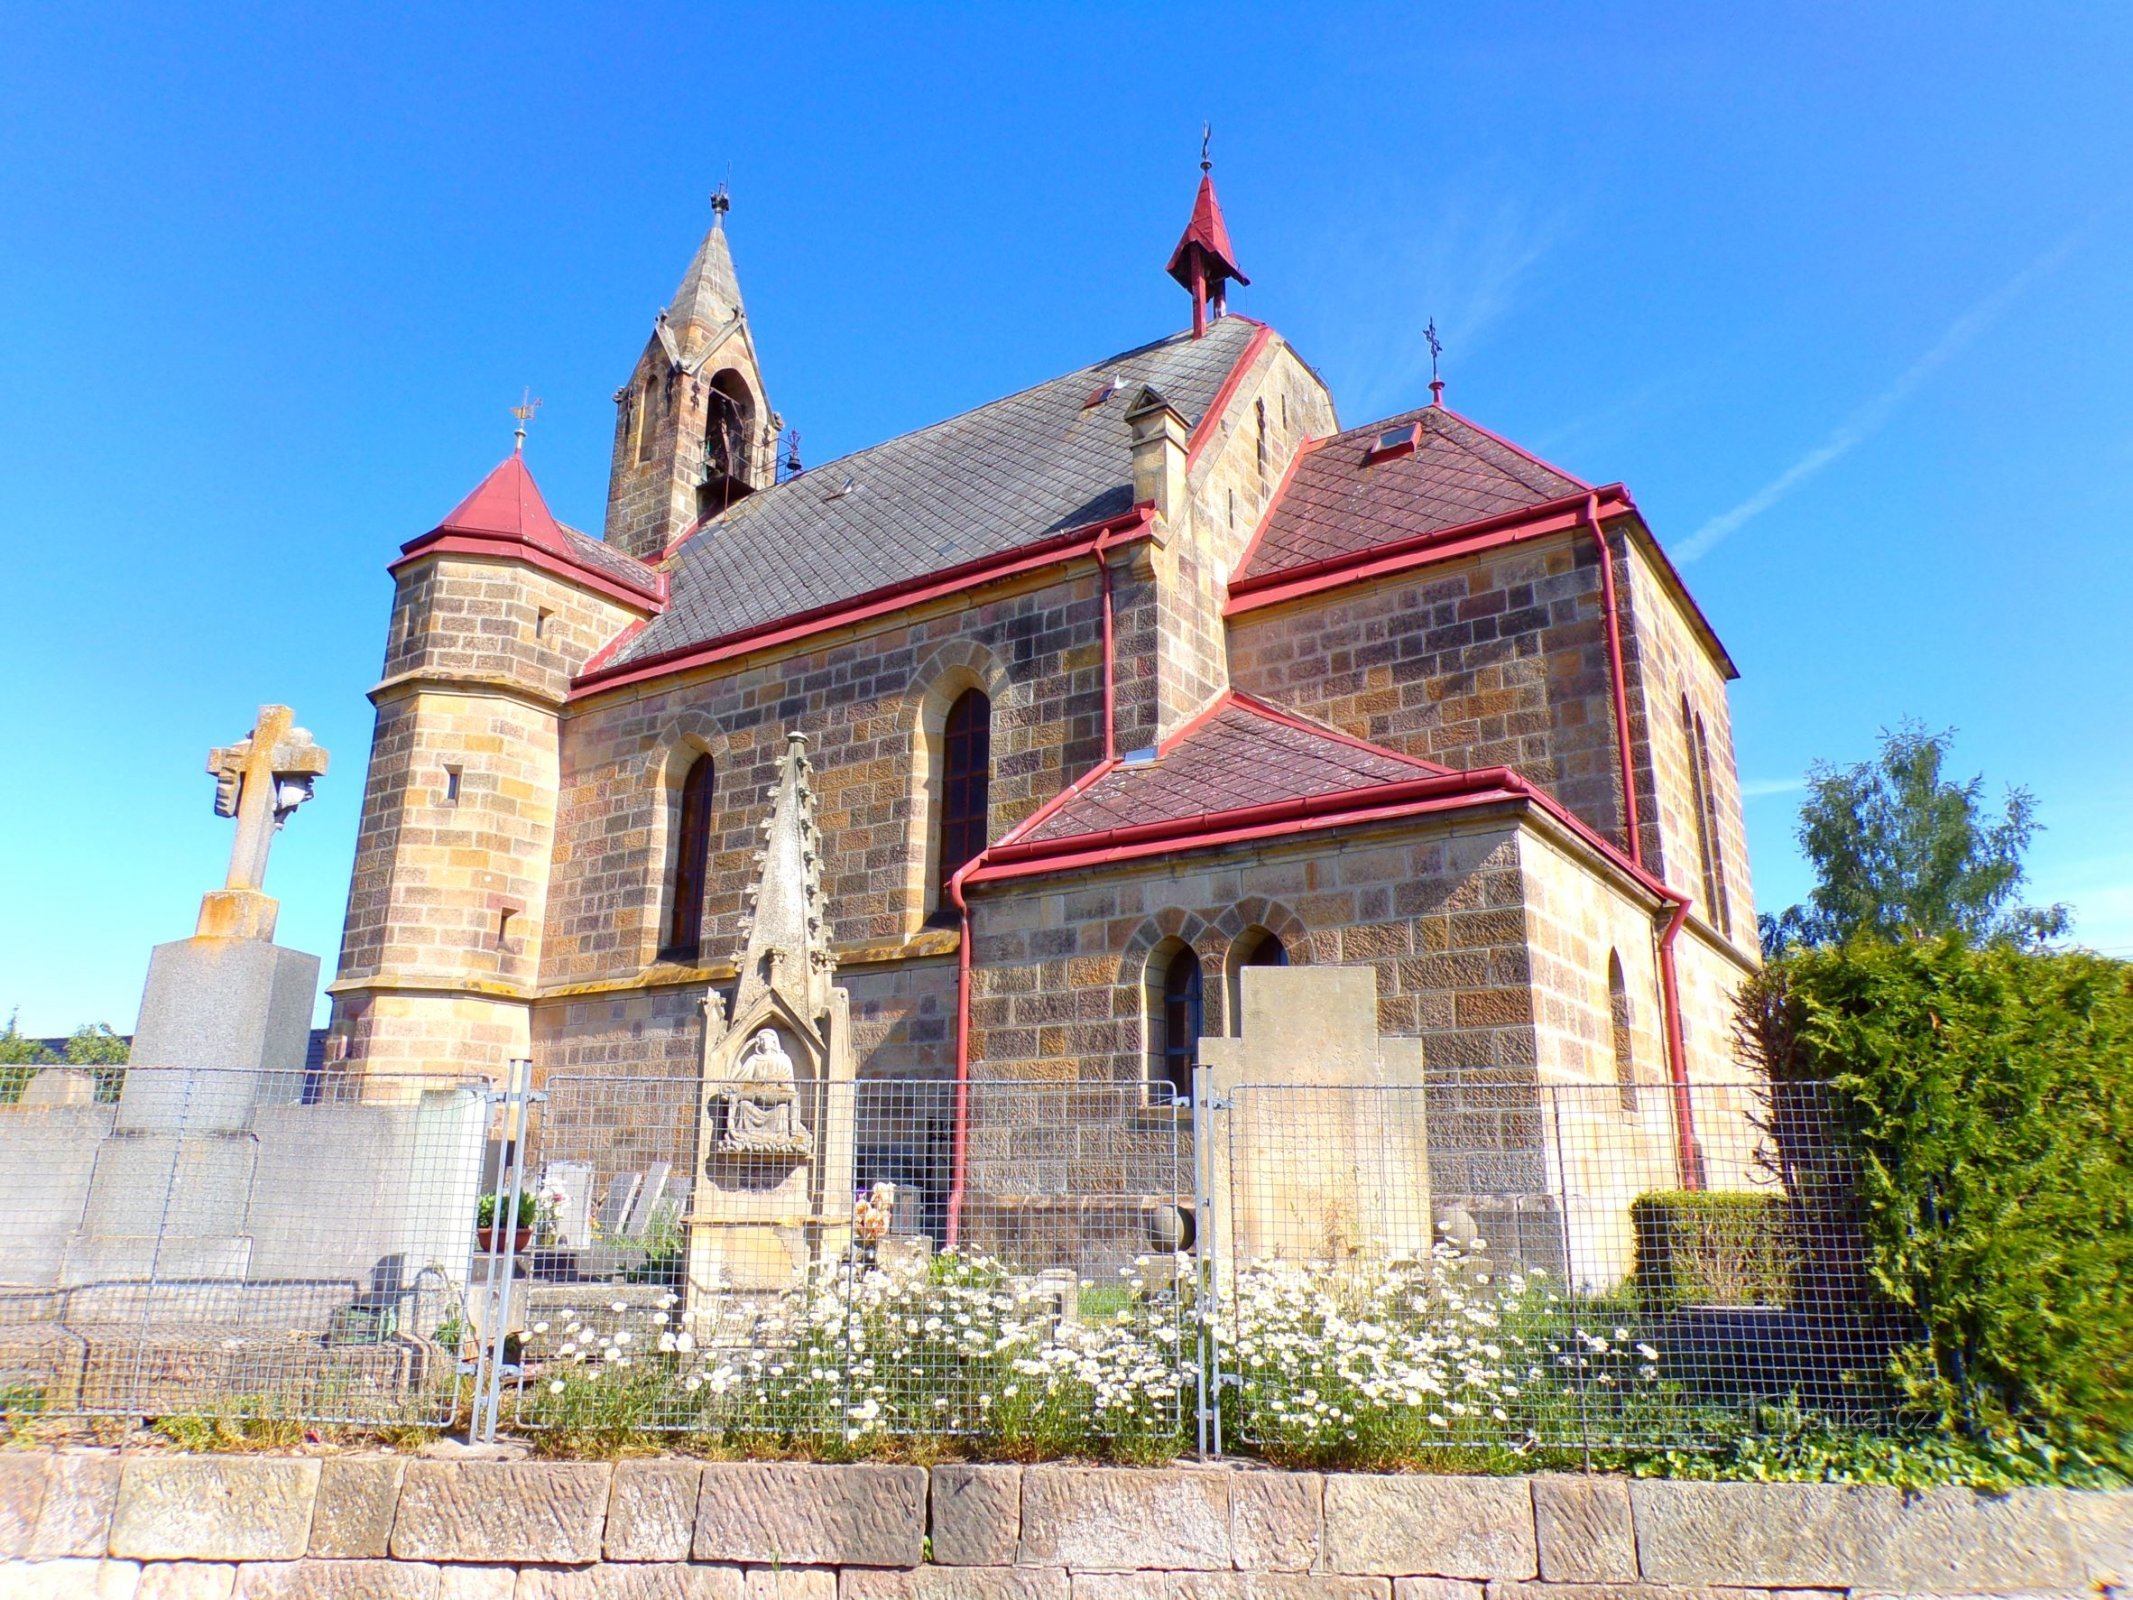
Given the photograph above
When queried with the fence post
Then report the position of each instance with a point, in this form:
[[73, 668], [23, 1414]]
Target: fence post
[[500, 1264], [1207, 1271]]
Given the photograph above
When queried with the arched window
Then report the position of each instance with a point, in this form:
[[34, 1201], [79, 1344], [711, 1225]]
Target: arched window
[[1255, 947], [1618, 1024], [1700, 803], [1176, 1020], [966, 785], [1722, 910], [648, 417], [692, 858]]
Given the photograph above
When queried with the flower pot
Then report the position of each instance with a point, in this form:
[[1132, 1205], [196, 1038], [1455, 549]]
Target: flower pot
[[488, 1239]]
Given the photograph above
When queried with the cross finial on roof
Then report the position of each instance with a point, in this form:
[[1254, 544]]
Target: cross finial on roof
[[1436, 349], [528, 404]]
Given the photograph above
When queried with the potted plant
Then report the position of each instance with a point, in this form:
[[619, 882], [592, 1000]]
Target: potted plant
[[486, 1230]]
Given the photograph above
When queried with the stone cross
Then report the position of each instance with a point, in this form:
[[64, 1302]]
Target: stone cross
[[259, 780]]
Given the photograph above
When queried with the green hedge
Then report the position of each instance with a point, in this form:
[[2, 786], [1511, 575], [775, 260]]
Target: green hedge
[[1712, 1248], [1986, 1099]]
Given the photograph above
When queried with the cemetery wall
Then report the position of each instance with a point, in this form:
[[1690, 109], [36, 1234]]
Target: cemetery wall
[[160, 1526]]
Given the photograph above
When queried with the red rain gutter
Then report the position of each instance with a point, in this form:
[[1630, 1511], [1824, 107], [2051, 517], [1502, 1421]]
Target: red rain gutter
[[1037, 818], [875, 603], [1633, 830], [1019, 857], [1103, 571], [509, 549], [1677, 1056], [1402, 555]]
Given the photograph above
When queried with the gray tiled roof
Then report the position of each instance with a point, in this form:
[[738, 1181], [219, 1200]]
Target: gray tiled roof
[[1009, 474], [606, 560]]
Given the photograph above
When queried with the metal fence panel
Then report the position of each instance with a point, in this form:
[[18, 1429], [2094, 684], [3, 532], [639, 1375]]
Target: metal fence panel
[[209, 1242], [1508, 1266], [696, 1282]]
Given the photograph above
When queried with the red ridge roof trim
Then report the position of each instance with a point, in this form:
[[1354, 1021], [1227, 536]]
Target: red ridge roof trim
[[1441, 544], [511, 547], [1114, 532], [1306, 447], [1290, 719], [1205, 429], [1484, 786], [1515, 448]]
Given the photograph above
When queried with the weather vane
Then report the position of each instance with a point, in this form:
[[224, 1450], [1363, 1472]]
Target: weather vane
[[721, 199], [1436, 349], [1207, 137], [528, 404]]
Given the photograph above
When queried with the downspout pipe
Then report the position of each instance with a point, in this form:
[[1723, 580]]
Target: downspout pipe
[[1677, 1055], [1617, 678], [1689, 1160], [960, 1156], [1103, 571]]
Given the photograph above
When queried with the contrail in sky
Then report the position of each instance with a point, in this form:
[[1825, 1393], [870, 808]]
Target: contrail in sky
[[1867, 420]]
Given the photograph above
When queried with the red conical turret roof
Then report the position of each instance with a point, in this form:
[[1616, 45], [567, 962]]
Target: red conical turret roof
[[1210, 235], [507, 505]]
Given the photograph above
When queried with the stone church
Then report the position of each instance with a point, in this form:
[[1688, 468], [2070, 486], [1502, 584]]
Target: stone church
[[1113, 687]]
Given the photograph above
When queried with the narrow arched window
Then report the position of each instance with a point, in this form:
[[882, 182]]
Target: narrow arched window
[[1618, 1025], [648, 417], [692, 857], [966, 784], [1255, 948], [1700, 803], [1722, 909], [1177, 1041]]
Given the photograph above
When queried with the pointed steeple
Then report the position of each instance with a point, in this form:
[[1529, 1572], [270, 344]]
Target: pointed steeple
[[788, 948], [1203, 260], [694, 429], [709, 299]]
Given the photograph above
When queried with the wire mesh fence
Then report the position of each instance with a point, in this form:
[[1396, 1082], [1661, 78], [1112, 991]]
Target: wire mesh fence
[[1511, 1266], [847, 1267], [1303, 1270], [251, 1243]]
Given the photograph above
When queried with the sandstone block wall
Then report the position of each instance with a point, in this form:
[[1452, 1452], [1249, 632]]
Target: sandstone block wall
[[163, 1527], [1061, 964], [1495, 660], [858, 698], [1675, 663]]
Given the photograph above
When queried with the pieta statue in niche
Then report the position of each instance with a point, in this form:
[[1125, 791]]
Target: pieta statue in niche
[[762, 1103]]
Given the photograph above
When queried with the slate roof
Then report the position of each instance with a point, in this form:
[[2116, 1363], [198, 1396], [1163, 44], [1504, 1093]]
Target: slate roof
[[1005, 476], [1338, 502], [1245, 754], [606, 560]]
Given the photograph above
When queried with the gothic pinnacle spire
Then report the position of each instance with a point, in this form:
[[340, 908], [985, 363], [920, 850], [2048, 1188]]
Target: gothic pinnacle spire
[[788, 944], [710, 294]]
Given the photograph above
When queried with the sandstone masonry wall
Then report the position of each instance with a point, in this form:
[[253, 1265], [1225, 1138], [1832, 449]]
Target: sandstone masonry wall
[[1058, 987], [161, 1527], [1499, 659]]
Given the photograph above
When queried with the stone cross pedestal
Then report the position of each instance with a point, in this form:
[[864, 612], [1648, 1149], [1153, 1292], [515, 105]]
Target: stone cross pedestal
[[225, 1022], [1323, 1153]]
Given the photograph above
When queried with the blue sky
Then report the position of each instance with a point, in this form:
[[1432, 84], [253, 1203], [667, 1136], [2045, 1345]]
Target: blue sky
[[1839, 292]]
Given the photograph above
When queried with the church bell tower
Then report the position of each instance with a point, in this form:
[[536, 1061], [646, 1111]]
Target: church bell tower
[[694, 431]]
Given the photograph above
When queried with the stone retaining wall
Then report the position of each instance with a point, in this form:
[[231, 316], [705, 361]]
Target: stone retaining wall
[[168, 1527]]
